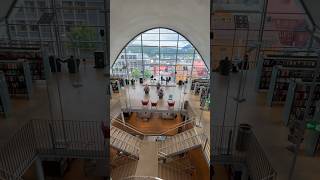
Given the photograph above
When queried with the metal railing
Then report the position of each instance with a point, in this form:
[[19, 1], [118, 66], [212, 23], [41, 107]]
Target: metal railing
[[19, 151], [186, 144], [120, 142], [181, 124], [204, 140], [74, 139], [141, 177], [258, 164], [151, 109], [180, 163], [224, 151], [119, 121], [7, 176]]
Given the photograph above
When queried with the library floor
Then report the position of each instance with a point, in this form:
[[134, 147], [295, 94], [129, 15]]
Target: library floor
[[88, 103], [267, 125]]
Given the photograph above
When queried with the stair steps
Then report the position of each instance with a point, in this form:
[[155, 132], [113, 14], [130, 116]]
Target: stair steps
[[124, 141], [169, 172], [123, 171], [180, 143]]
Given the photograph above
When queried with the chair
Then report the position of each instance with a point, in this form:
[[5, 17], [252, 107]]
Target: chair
[[171, 103], [154, 104], [145, 102]]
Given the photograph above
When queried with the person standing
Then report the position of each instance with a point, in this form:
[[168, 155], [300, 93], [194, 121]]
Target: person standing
[[225, 66], [71, 63], [55, 64], [78, 64]]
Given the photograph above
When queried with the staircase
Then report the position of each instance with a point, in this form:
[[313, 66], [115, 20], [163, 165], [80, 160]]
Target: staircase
[[121, 160], [7, 176], [96, 168], [123, 171], [148, 161], [181, 163], [124, 141], [180, 143], [169, 172]]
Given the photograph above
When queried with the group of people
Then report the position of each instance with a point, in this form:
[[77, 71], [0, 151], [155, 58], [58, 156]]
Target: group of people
[[167, 79], [227, 65], [72, 64], [160, 90]]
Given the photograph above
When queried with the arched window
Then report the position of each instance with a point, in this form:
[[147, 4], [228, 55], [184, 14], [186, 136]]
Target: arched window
[[160, 52]]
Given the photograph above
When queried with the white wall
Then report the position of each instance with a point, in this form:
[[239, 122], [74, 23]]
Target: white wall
[[190, 18]]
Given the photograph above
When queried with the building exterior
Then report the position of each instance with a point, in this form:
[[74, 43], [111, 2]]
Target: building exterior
[[24, 26]]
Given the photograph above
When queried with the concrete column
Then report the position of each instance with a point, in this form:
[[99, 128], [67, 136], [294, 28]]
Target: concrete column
[[39, 169]]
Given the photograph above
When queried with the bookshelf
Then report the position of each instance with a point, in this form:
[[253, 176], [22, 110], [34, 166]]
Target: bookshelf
[[197, 84], [4, 96], [266, 64], [18, 77], [36, 62], [297, 97], [280, 80]]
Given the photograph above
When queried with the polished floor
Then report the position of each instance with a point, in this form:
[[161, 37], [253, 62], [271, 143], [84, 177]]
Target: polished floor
[[155, 125], [131, 96], [266, 121], [198, 160], [60, 100]]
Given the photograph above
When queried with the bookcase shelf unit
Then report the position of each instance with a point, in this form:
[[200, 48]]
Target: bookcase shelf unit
[[280, 80], [197, 84], [5, 104], [266, 64], [18, 77], [33, 56], [298, 94]]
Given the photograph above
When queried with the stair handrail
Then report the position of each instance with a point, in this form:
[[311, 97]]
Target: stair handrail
[[204, 139], [181, 165], [5, 175], [206, 147], [136, 148], [271, 176], [177, 126], [117, 120], [132, 157], [179, 142], [142, 177]]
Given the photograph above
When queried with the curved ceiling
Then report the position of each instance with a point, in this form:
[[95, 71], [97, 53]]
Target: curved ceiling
[[129, 18], [160, 52], [162, 44]]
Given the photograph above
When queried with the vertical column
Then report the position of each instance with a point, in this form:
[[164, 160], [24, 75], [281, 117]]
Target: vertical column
[[107, 70], [39, 169], [261, 30]]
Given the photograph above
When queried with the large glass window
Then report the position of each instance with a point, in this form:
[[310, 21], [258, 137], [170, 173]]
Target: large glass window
[[160, 52]]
